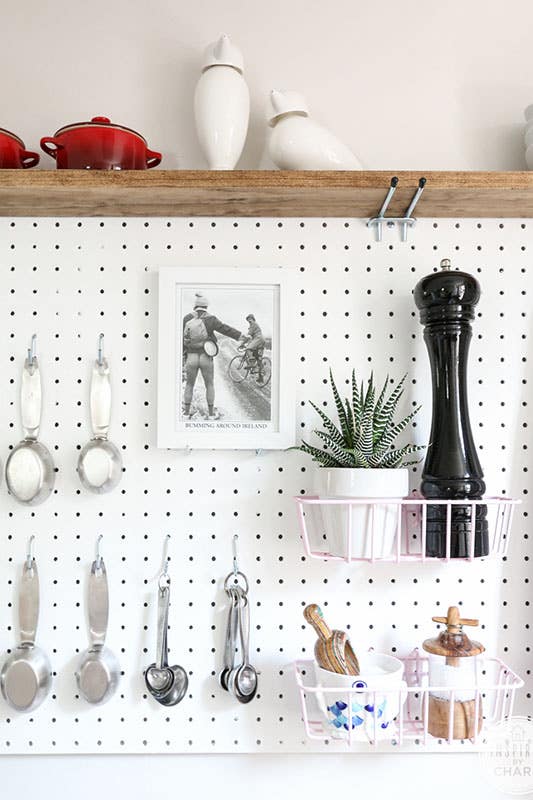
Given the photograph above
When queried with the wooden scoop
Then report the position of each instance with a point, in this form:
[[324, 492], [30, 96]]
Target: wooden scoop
[[333, 650]]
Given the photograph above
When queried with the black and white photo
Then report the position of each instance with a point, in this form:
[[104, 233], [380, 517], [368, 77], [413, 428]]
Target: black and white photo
[[222, 385]]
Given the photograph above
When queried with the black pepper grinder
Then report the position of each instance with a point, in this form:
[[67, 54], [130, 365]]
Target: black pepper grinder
[[447, 301]]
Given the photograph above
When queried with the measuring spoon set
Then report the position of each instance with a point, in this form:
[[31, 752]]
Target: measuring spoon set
[[238, 676], [30, 470], [26, 674]]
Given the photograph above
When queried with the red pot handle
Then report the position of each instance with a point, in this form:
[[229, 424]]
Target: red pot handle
[[46, 141], [29, 159], [152, 159]]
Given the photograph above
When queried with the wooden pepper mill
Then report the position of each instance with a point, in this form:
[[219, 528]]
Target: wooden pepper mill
[[447, 302], [333, 650], [453, 663]]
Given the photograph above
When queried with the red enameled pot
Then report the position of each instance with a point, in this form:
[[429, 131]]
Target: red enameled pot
[[99, 144], [13, 154]]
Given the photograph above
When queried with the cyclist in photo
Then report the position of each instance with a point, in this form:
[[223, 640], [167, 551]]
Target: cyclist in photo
[[199, 350], [255, 344]]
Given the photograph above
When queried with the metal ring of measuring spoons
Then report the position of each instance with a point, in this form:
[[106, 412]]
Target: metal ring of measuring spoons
[[236, 576]]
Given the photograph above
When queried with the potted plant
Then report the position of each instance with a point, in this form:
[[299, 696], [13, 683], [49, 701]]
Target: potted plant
[[360, 459]]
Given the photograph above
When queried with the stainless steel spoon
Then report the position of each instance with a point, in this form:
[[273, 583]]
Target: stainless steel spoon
[[100, 462], [167, 685], [30, 471], [231, 639], [99, 671], [26, 675], [242, 680]]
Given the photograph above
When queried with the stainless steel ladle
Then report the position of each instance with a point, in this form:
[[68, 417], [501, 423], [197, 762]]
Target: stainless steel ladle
[[167, 685], [99, 671], [30, 471], [26, 675], [100, 462]]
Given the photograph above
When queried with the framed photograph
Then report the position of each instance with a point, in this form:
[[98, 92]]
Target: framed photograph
[[225, 372]]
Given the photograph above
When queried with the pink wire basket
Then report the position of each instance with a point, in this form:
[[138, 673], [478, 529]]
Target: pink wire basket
[[392, 529], [493, 696]]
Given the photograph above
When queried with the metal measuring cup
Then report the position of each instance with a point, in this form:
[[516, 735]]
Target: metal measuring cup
[[99, 671], [100, 462], [30, 471], [26, 675]]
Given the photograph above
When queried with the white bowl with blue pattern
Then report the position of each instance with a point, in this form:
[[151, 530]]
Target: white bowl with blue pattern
[[370, 709]]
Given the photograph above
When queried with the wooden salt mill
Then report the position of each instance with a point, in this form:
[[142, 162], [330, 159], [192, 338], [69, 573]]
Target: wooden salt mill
[[333, 650], [452, 663]]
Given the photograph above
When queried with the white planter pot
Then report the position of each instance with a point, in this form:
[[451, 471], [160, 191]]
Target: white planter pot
[[372, 528]]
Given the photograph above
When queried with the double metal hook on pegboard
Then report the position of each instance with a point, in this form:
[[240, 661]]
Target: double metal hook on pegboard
[[405, 222]]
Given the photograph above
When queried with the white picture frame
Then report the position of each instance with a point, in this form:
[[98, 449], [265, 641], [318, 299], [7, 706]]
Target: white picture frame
[[250, 410]]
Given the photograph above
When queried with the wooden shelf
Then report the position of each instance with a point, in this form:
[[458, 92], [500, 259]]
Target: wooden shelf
[[165, 193]]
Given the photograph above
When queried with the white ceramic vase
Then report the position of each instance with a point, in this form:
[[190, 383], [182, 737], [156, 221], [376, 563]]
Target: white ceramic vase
[[222, 105], [298, 142], [361, 531]]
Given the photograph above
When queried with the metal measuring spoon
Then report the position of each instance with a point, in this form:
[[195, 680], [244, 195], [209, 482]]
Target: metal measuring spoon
[[167, 685], [26, 675], [99, 671], [100, 462], [30, 471], [242, 680], [231, 639], [245, 681]]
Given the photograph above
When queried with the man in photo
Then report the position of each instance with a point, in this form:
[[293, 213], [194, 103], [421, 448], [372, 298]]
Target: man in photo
[[254, 345], [199, 350]]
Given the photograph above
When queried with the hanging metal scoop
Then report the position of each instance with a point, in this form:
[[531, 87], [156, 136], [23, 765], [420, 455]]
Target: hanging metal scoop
[[30, 471], [99, 671], [167, 685], [100, 462], [26, 675]]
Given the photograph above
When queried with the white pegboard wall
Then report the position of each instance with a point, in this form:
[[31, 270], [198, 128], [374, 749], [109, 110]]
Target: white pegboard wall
[[68, 280]]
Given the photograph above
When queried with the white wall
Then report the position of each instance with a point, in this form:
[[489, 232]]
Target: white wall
[[408, 85]]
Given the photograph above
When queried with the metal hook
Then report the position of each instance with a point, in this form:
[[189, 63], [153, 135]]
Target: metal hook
[[405, 222], [412, 204], [29, 556], [164, 577], [32, 350], [165, 555], [235, 556], [101, 350], [98, 553]]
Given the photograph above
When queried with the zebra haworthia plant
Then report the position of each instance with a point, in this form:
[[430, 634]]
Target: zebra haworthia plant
[[366, 431]]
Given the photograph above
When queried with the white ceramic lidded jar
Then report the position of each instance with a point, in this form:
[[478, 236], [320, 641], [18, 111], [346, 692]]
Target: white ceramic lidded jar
[[298, 142], [222, 105]]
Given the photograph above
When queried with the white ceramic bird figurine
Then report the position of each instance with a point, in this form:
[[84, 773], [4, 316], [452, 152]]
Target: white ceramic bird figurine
[[298, 142]]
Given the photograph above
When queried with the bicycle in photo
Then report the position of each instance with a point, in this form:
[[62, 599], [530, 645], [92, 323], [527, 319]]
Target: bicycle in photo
[[245, 365]]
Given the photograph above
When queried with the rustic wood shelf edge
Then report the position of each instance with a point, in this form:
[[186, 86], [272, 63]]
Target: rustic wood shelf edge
[[166, 193]]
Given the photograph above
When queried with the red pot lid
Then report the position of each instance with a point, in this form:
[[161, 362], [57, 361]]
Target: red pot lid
[[13, 136], [99, 122]]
